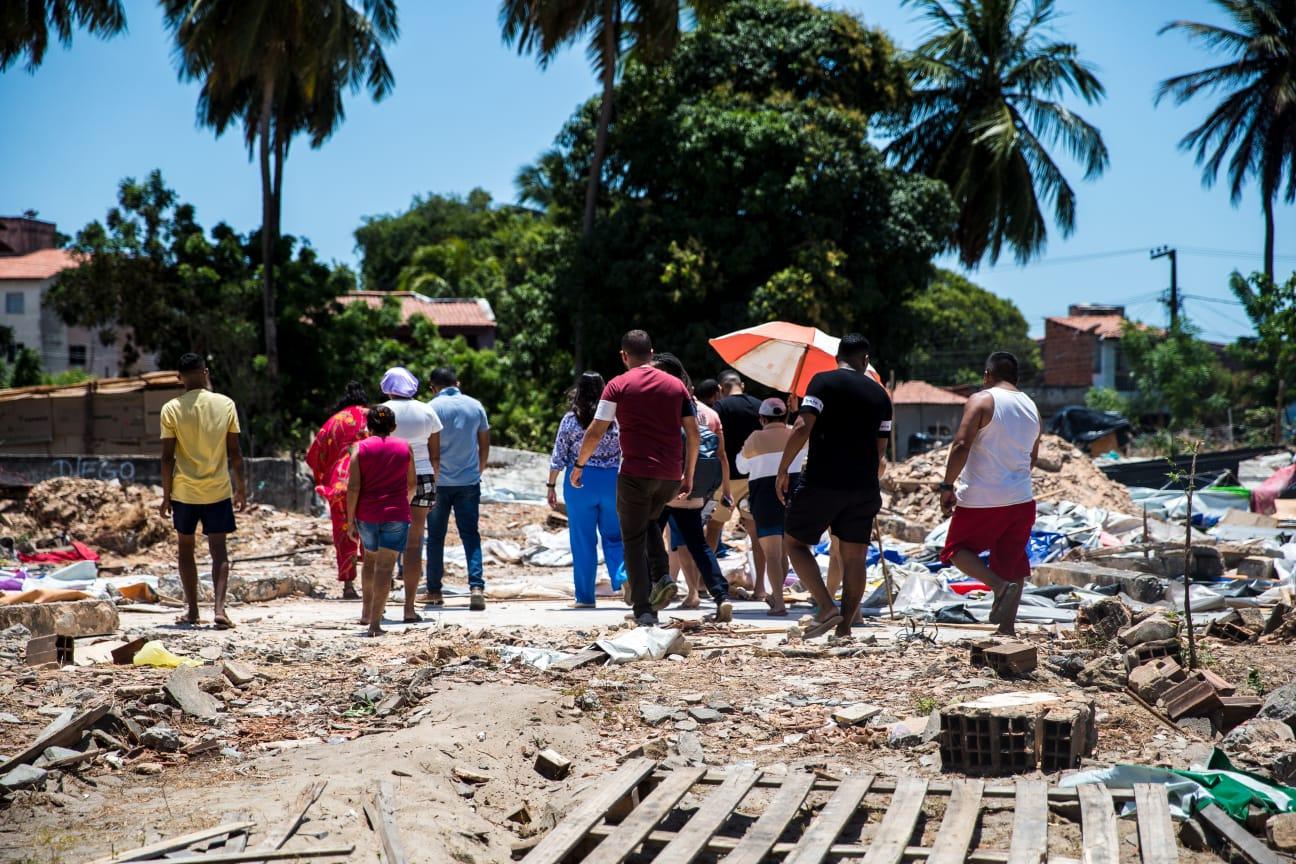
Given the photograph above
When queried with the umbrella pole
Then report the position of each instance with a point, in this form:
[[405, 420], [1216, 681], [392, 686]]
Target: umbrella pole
[[886, 571]]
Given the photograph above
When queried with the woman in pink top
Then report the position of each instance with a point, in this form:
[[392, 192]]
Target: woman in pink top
[[379, 492]]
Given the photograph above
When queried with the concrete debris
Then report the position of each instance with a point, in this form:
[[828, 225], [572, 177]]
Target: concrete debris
[[161, 738], [1107, 618], [1152, 679], [855, 714], [1260, 730], [1281, 832], [655, 715], [75, 618], [1154, 629], [23, 777], [552, 765], [1281, 705], [105, 515], [1106, 673]]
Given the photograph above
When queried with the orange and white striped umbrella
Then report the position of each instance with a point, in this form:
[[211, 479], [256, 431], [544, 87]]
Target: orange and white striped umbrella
[[780, 355]]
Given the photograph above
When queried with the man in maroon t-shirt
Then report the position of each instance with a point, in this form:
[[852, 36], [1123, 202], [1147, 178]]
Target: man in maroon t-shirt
[[651, 407]]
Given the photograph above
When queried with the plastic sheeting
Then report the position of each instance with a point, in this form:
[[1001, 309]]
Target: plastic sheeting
[[644, 643], [536, 658]]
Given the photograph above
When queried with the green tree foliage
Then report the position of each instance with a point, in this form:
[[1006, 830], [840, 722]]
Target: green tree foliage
[[1176, 370], [740, 186], [25, 25], [26, 369], [958, 324], [1256, 119], [1108, 399], [172, 287], [1270, 355], [279, 68], [446, 246], [985, 112]]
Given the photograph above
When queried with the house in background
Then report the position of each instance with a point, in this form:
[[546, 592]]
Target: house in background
[[1082, 350], [30, 262], [925, 416], [471, 318]]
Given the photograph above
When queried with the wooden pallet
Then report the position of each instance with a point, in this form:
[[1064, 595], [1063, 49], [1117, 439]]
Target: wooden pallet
[[622, 816]]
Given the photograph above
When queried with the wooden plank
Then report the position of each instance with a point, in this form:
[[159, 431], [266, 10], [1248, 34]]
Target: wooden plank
[[1156, 833], [719, 845], [958, 824], [761, 837], [1030, 823], [644, 818], [161, 847], [1098, 839], [688, 843], [262, 855], [385, 825], [584, 658], [882, 785], [559, 843], [888, 845], [818, 839], [296, 815], [1251, 848]]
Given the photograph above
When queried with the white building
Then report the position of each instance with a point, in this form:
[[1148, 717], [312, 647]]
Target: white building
[[29, 265]]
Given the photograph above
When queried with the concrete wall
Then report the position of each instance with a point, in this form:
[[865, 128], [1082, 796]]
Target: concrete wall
[[270, 481], [933, 419]]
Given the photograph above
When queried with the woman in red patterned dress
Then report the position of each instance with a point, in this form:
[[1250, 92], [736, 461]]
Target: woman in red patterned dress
[[330, 460]]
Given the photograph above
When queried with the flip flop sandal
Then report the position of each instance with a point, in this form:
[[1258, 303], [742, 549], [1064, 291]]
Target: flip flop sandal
[[819, 628], [186, 621], [416, 619], [777, 613], [223, 623]]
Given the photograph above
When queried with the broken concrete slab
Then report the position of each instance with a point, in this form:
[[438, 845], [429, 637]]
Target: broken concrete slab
[[853, 715], [238, 674], [1281, 705], [1281, 832], [654, 714], [1260, 730], [183, 690], [1152, 679], [1152, 629], [23, 777], [162, 738], [1078, 574], [705, 715], [1256, 567], [75, 618]]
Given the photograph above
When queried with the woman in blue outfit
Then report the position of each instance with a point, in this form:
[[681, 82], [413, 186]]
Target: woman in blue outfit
[[591, 508]]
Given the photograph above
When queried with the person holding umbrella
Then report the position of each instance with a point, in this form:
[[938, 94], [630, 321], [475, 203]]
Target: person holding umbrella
[[846, 419]]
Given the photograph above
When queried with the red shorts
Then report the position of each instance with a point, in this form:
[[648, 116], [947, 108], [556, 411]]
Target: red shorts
[[1004, 531]]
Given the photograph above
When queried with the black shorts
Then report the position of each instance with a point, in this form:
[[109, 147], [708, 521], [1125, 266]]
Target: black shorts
[[424, 491], [216, 518], [767, 510], [848, 513]]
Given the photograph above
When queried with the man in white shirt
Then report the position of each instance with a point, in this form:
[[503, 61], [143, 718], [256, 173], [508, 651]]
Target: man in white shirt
[[993, 504], [418, 424]]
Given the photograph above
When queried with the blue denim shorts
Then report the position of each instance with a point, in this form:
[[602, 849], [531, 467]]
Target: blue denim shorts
[[383, 535]]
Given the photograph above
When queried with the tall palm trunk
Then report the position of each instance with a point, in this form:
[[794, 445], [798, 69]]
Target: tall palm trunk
[[1269, 233], [610, 42], [1282, 409], [269, 233]]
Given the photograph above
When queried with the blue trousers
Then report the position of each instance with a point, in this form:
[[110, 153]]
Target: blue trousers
[[591, 512], [465, 501]]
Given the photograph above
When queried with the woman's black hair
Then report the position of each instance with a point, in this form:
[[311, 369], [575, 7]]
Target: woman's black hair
[[382, 421], [585, 397], [354, 395], [671, 364]]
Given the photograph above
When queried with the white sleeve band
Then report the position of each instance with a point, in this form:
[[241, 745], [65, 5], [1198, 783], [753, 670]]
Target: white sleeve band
[[884, 426], [813, 403], [606, 410]]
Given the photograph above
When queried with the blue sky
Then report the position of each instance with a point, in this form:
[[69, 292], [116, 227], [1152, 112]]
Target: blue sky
[[469, 112]]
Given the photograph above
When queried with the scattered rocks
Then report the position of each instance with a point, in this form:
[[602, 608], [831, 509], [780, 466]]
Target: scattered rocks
[[1108, 617], [552, 765], [1281, 831], [1105, 672], [1281, 705], [148, 769], [1261, 730], [854, 715], [655, 715], [23, 777], [161, 738], [705, 715]]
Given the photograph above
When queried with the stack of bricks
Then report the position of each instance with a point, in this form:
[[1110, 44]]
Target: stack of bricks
[[1007, 659], [1198, 694], [1016, 739]]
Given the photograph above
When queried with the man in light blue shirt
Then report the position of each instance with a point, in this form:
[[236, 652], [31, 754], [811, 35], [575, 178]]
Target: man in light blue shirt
[[465, 445]]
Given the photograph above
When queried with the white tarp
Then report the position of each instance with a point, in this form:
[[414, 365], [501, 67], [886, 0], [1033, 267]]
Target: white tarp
[[644, 643]]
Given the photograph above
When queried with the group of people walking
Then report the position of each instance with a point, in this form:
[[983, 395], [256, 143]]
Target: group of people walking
[[652, 469]]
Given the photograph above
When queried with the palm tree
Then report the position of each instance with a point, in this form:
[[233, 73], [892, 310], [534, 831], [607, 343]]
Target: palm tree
[[279, 68], [985, 109], [25, 25], [649, 28], [1257, 117]]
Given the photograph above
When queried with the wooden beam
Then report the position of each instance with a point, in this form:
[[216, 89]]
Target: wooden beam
[[959, 823], [1155, 831], [760, 838], [814, 844], [1100, 844], [1251, 848], [713, 813], [262, 855], [644, 818], [1030, 823], [305, 799], [560, 842], [171, 844], [888, 844], [382, 818]]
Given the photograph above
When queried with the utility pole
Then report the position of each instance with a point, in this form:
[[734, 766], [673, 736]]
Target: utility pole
[[1173, 255]]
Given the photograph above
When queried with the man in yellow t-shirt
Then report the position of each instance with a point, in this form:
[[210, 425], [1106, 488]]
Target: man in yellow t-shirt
[[199, 437]]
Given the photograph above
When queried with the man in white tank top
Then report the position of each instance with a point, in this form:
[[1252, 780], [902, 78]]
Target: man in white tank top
[[988, 488]]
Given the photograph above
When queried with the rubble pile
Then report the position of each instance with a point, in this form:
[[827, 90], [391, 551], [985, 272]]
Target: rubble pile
[[1063, 473], [105, 515]]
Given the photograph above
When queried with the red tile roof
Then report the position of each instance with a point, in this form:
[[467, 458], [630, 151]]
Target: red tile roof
[[41, 264], [1103, 326], [922, 393], [441, 311]]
